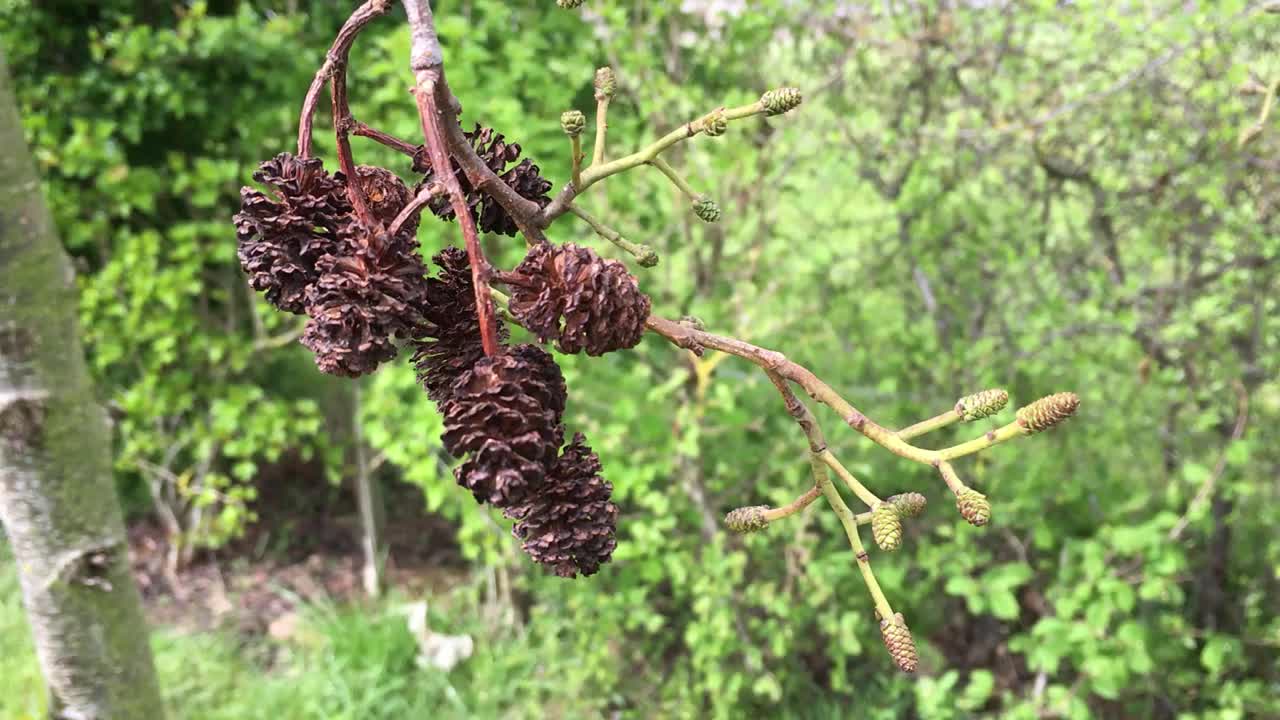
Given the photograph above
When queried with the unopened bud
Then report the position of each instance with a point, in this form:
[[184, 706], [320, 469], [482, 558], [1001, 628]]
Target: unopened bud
[[1047, 412], [747, 519], [572, 122], [715, 124], [982, 404], [781, 100]]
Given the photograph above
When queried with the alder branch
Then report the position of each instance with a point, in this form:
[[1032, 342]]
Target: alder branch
[[427, 62], [335, 62]]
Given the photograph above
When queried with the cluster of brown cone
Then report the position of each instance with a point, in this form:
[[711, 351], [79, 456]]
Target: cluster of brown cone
[[366, 292]]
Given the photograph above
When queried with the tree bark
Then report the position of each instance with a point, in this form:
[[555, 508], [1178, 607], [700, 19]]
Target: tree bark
[[57, 498]]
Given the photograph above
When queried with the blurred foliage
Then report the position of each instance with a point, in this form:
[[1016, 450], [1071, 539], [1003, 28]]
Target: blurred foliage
[[1041, 196]]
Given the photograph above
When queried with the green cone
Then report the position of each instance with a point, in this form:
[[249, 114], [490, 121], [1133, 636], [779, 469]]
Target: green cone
[[1048, 411], [974, 507], [706, 209], [909, 505], [572, 122], [897, 638], [781, 100], [982, 404], [886, 526], [747, 519]]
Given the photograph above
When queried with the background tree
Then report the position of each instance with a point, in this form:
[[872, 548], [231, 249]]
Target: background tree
[[57, 498]]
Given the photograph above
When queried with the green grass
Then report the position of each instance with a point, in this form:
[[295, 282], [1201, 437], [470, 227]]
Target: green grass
[[346, 663]]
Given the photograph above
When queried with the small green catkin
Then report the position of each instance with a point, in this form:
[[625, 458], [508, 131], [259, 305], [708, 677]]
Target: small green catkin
[[982, 404], [1048, 411], [747, 519]]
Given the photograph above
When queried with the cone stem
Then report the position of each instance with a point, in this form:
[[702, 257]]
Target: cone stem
[[794, 506], [936, 422], [602, 127], [642, 253], [850, 523], [427, 62]]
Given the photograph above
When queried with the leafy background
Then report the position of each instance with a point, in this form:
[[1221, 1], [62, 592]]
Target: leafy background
[[1038, 196]]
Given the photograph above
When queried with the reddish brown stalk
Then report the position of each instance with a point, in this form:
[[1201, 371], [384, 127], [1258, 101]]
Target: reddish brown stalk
[[335, 61], [391, 141], [427, 62], [341, 129], [415, 206]]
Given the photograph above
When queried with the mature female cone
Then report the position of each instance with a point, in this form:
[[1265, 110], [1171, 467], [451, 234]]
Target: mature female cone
[[569, 523], [909, 504], [1047, 411], [496, 153], [365, 297], [747, 519], [584, 302], [897, 638], [282, 236], [973, 507], [449, 340], [386, 195], [505, 412], [886, 526], [981, 404]]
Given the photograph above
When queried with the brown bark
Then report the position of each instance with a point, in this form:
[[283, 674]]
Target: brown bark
[[57, 499]]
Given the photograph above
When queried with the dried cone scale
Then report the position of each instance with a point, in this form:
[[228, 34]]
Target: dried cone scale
[[282, 235], [571, 295], [504, 414]]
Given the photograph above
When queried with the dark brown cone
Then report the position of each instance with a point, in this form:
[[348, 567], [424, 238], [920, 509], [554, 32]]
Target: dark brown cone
[[282, 236], [449, 341], [504, 412], [386, 195], [569, 524], [497, 154], [583, 301], [365, 298]]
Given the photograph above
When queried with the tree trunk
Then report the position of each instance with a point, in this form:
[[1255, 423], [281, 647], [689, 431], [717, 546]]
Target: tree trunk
[[57, 498]]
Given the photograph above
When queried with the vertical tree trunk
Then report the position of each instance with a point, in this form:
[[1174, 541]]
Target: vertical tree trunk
[[57, 499], [369, 502]]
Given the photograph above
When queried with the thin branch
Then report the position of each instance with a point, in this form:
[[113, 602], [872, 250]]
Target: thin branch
[[642, 253], [676, 178], [335, 61], [410, 211], [596, 173], [341, 130], [427, 63], [794, 506], [391, 141]]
